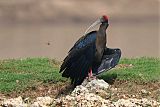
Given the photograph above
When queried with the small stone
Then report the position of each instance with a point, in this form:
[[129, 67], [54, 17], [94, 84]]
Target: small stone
[[124, 96], [35, 104], [103, 94], [145, 92], [17, 81], [27, 100], [133, 96], [15, 102], [42, 102]]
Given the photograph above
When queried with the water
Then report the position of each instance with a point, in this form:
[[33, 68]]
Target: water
[[135, 39]]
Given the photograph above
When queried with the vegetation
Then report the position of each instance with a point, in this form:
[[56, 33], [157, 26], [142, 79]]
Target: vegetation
[[138, 70], [20, 74]]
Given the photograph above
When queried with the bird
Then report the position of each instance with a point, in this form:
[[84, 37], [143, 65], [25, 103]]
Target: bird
[[90, 56]]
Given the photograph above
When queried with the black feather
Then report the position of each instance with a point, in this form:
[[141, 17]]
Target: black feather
[[110, 59], [76, 65]]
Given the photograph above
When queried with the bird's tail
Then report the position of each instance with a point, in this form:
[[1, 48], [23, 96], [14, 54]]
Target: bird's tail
[[77, 71], [76, 66]]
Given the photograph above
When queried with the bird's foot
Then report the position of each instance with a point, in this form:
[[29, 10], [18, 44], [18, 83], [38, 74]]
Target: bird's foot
[[90, 75], [90, 78]]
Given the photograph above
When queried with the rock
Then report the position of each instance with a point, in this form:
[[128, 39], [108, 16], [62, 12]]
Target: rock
[[98, 84], [35, 104], [114, 89], [145, 92], [19, 102], [14, 102], [94, 93], [17, 81], [136, 103], [103, 94], [124, 103], [27, 100], [133, 96], [42, 102], [79, 89], [86, 95]]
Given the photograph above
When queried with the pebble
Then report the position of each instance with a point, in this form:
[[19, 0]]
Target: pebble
[[42, 102], [133, 102], [15, 102], [145, 92], [90, 94]]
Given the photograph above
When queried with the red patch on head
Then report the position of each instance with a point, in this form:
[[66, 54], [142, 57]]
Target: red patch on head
[[105, 17]]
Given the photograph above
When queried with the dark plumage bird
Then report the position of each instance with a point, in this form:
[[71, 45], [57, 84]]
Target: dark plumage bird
[[90, 55]]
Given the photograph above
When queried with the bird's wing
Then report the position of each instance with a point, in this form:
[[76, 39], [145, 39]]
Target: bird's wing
[[78, 62], [110, 59], [85, 40]]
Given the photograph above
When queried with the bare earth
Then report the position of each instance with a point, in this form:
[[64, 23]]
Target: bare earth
[[119, 91], [125, 90]]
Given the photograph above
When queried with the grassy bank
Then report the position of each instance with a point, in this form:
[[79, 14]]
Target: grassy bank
[[136, 70], [20, 74]]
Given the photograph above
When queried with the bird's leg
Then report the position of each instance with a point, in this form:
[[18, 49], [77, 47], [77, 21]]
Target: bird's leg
[[90, 74]]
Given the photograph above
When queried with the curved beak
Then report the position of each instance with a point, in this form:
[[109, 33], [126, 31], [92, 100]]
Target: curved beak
[[98, 21]]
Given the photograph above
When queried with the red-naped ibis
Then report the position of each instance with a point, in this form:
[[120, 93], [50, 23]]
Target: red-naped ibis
[[90, 55]]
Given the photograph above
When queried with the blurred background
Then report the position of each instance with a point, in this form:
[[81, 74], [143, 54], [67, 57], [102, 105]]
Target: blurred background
[[49, 28]]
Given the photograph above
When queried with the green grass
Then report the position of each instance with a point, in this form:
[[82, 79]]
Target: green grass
[[20, 74], [142, 70]]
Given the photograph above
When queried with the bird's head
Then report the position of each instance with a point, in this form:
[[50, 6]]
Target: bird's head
[[101, 20], [104, 19]]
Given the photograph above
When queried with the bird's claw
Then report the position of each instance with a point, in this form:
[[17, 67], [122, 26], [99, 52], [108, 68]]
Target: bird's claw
[[91, 78]]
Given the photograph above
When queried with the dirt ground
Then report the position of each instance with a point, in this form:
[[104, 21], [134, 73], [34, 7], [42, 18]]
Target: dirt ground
[[120, 89]]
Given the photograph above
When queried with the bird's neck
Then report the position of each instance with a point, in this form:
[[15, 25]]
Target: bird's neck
[[101, 40], [102, 28], [101, 37], [101, 34]]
